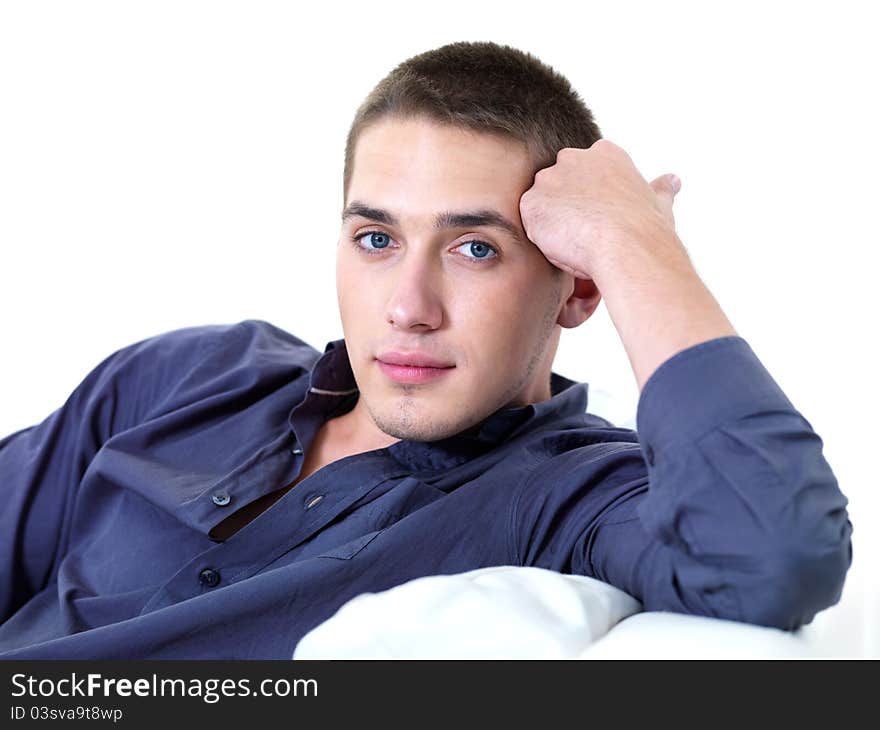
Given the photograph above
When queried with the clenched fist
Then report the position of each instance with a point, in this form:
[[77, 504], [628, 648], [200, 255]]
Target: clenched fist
[[593, 205]]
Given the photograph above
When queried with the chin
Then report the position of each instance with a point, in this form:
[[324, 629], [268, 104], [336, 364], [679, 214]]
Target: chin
[[418, 424]]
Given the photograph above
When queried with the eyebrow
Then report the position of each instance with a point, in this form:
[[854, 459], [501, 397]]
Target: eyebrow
[[483, 217]]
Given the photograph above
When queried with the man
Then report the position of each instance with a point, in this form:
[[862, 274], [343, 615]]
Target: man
[[218, 491]]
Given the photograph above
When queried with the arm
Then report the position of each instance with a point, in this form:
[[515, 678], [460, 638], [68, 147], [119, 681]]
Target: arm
[[658, 304], [40, 469], [743, 518], [727, 507]]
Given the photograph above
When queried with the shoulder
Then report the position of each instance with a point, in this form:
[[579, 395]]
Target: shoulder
[[577, 474], [582, 452], [187, 363], [247, 333], [192, 345], [578, 436]]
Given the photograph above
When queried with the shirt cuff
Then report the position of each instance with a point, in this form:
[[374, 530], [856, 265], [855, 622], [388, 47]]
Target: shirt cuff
[[699, 389]]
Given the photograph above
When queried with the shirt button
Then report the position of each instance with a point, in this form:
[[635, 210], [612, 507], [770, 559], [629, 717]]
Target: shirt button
[[209, 577], [221, 499], [296, 451], [314, 500]]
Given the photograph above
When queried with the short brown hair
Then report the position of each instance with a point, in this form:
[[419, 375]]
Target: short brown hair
[[485, 87]]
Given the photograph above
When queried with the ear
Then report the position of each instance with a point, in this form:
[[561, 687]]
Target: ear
[[584, 296]]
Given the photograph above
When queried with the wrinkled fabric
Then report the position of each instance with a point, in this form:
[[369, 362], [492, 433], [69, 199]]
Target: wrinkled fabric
[[719, 504]]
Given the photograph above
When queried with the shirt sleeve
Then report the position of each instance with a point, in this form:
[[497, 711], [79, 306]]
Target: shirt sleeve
[[41, 467], [736, 513]]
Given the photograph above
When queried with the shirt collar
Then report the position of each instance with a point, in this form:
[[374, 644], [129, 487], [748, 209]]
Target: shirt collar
[[332, 378]]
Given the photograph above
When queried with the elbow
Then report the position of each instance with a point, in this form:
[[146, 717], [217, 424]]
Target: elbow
[[797, 583]]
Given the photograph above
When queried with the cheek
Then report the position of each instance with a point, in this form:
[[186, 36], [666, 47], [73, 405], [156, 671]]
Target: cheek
[[507, 305], [500, 323], [349, 293]]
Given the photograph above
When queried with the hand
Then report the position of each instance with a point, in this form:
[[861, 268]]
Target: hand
[[593, 204]]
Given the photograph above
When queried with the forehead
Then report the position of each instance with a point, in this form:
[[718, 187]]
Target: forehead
[[416, 157]]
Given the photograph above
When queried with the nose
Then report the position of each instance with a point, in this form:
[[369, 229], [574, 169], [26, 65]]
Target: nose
[[414, 302]]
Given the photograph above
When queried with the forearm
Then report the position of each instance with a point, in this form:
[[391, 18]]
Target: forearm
[[658, 304]]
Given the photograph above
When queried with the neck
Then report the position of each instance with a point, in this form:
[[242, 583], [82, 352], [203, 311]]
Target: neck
[[357, 430]]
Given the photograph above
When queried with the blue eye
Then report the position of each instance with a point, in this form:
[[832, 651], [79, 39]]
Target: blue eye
[[479, 249], [369, 236], [377, 241]]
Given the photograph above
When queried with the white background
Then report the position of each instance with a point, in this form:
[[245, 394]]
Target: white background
[[166, 164]]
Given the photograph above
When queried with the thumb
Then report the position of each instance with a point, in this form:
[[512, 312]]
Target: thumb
[[668, 184], [666, 187]]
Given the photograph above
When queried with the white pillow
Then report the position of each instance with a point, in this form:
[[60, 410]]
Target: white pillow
[[501, 612], [665, 635]]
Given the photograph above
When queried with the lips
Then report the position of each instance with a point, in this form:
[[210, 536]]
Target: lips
[[413, 359], [414, 368]]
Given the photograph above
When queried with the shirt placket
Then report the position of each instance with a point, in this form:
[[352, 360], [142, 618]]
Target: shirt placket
[[295, 518]]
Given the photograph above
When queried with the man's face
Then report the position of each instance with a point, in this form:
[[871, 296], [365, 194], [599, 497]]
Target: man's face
[[477, 298]]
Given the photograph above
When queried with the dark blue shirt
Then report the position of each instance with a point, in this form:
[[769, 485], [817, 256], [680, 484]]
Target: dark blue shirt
[[721, 504]]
